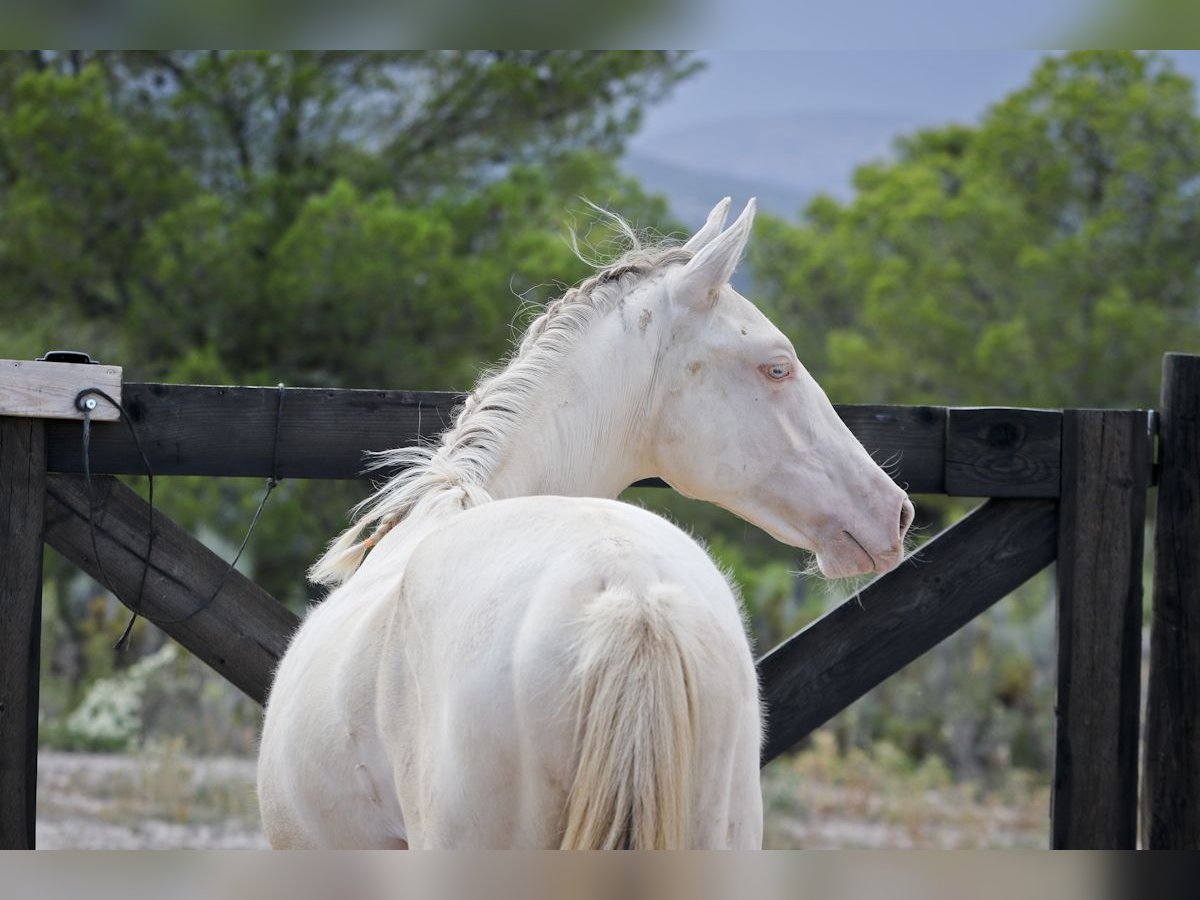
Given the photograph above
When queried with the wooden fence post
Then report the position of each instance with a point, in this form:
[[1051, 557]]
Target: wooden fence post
[[1171, 790], [22, 498], [1106, 459]]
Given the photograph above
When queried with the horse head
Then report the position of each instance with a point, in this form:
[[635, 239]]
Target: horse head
[[741, 423]]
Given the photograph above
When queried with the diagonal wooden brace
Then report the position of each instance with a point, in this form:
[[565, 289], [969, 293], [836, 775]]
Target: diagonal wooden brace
[[818, 672], [242, 634]]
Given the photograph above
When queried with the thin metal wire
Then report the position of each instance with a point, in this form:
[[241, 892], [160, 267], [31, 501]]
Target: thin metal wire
[[82, 406], [272, 483], [137, 607]]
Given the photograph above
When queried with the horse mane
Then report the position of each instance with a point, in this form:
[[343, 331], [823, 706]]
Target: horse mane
[[453, 472]]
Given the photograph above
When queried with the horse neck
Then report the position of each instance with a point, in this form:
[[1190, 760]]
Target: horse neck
[[584, 434]]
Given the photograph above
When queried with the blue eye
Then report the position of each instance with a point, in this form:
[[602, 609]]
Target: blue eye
[[777, 371]]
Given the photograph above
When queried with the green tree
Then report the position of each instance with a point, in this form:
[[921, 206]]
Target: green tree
[[338, 219], [1045, 257], [155, 203]]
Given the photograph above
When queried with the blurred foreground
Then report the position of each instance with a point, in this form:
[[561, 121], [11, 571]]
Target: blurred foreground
[[163, 799]]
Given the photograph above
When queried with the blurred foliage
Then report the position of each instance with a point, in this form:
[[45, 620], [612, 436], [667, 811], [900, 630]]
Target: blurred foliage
[[1045, 257], [876, 796], [321, 218]]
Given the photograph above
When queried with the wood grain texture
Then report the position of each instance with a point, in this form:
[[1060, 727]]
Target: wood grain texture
[[910, 440], [817, 673], [1101, 522], [1171, 787], [242, 634], [47, 390], [326, 433], [203, 430], [1003, 452], [22, 495]]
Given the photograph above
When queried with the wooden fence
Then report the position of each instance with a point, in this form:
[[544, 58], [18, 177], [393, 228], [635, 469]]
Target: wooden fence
[[1066, 485]]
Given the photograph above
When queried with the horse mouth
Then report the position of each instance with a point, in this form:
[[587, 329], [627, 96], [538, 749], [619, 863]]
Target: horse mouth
[[847, 557], [859, 544]]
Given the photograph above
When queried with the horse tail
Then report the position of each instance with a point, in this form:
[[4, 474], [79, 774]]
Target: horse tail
[[638, 676]]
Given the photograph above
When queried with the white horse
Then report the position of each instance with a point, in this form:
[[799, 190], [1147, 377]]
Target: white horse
[[514, 665]]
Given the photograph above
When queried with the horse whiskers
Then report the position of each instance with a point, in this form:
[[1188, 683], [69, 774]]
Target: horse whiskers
[[891, 465]]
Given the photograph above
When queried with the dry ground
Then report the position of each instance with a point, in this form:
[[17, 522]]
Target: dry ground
[[154, 801], [163, 799]]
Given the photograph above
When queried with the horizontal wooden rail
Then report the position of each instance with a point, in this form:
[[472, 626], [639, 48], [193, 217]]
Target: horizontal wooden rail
[[1003, 452], [814, 675], [242, 634], [230, 431], [325, 433]]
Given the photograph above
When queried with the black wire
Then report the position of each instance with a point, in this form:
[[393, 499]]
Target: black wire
[[272, 483], [87, 473]]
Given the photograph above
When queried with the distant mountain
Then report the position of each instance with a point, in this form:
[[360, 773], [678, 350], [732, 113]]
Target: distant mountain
[[691, 193], [783, 159]]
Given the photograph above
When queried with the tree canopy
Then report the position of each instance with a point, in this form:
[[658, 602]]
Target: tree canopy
[[333, 218], [1045, 257]]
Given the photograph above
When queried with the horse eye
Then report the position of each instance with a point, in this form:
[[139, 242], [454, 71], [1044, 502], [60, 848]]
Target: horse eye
[[777, 371]]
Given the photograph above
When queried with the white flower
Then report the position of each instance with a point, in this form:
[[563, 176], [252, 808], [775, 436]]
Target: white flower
[[111, 712]]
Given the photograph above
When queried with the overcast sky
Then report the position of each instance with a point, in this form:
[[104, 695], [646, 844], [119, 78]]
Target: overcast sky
[[932, 85], [925, 24]]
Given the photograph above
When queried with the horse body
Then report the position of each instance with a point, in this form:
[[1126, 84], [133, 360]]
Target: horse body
[[401, 734], [520, 662]]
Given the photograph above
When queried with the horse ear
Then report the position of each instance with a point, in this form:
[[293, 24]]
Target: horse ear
[[712, 267], [711, 228]]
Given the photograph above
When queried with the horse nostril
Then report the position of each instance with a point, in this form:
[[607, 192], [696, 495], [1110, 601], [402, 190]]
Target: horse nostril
[[906, 516]]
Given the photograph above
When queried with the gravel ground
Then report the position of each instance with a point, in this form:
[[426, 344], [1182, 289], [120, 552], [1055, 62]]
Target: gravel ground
[[156, 801], [165, 800]]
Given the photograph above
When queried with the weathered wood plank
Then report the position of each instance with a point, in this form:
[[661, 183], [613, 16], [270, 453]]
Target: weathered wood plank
[[22, 496], [1171, 789], [324, 433], [817, 673], [47, 390], [1101, 521], [229, 431], [911, 440], [1003, 452], [242, 634]]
